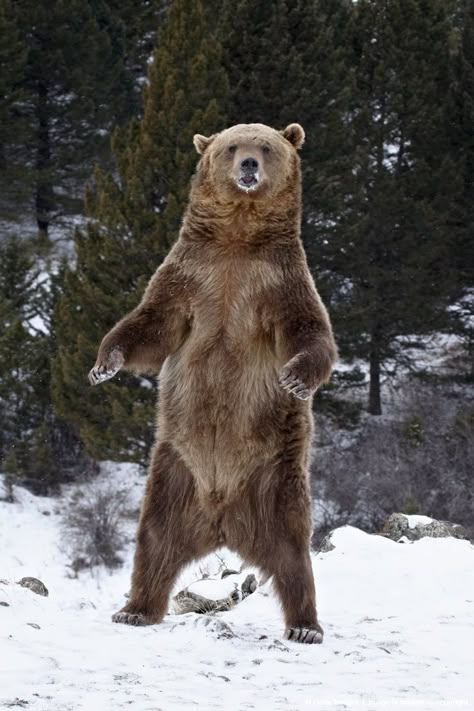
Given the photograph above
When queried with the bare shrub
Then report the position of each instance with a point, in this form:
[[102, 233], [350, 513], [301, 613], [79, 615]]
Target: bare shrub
[[419, 459], [93, 526]]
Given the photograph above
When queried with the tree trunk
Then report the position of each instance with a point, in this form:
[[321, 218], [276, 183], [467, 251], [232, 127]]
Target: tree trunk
[[44, 190], [375, 403]]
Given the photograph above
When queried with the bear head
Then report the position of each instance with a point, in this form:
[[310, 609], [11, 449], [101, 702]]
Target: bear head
[[249, 161]]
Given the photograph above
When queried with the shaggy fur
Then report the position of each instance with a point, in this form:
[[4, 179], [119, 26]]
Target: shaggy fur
[[235, 326]]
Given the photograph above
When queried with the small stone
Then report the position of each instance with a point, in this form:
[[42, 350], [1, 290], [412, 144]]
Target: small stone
[[4, 604], [326, 544], [22, 703], [224, 631], [87, 605], [34, 585], [249, 585], [396, 527]]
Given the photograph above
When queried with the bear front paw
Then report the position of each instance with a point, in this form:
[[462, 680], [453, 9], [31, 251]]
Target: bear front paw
[[106, 368], [291, 380]]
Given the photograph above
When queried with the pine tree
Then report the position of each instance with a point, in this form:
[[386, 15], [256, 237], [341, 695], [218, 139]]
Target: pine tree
[[22, 360], [385, 241], [289, 60], [186, 94], [12, 129], [461, 116], [282, 59], [134, 218], [14, 336], [140, 23], [74, 85], [113, 422], [35, 449]]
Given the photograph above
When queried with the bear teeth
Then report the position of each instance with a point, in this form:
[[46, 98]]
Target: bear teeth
[[251, 185]]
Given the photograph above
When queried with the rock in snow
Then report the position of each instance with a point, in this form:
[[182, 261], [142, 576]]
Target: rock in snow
[[214, 594], [249, 585], [34, 585], [414, 527], [326, 544]]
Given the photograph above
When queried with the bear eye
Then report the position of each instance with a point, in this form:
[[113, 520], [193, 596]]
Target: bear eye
[[266, 149], [232, 148]]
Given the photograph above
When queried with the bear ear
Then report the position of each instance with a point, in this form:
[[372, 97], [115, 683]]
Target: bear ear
[[294, 133], [201, 143]]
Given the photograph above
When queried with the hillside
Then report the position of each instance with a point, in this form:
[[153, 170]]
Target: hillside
[[398, 618]]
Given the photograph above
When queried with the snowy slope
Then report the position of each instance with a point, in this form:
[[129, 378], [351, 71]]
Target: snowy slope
[[399, 623]]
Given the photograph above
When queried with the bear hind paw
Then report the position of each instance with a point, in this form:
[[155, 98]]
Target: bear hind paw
[[131, 618]]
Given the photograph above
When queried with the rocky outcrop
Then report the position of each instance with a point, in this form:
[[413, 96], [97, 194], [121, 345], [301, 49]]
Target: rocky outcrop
[[403, 526]]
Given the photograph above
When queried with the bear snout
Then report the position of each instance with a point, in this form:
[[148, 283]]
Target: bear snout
[[249, 177], [249, 165]]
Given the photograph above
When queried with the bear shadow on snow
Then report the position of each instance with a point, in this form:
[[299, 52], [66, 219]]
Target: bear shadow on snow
[[234, 325]]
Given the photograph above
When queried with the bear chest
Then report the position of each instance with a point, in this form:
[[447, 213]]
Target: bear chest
[[232, 299]]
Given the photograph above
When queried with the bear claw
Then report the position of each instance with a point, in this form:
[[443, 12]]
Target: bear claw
[[305, 635], [99, 373], [292, 384]]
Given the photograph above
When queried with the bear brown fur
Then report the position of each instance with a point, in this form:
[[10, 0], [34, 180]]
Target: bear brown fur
[[234, 325]]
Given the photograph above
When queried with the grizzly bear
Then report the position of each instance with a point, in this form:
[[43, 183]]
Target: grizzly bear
[[233, 324]]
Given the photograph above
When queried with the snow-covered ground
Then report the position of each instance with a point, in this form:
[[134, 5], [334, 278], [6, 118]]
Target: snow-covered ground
[[398, 618]]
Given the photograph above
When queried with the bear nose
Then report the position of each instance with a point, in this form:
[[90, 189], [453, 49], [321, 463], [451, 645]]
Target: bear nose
[[249, 164]]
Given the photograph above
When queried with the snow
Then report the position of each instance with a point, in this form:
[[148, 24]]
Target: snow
[[399, 624], [415, 520]]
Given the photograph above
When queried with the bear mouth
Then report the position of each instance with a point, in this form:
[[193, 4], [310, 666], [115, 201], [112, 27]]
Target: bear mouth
[[248, 181]]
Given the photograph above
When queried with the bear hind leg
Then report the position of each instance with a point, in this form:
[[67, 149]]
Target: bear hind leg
[[294, 583], [280, 544], [173, 531]]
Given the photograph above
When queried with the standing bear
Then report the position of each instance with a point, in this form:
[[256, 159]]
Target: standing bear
[[234, 325]]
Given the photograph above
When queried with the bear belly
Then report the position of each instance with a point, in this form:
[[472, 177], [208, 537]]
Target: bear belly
[[221, 411]]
